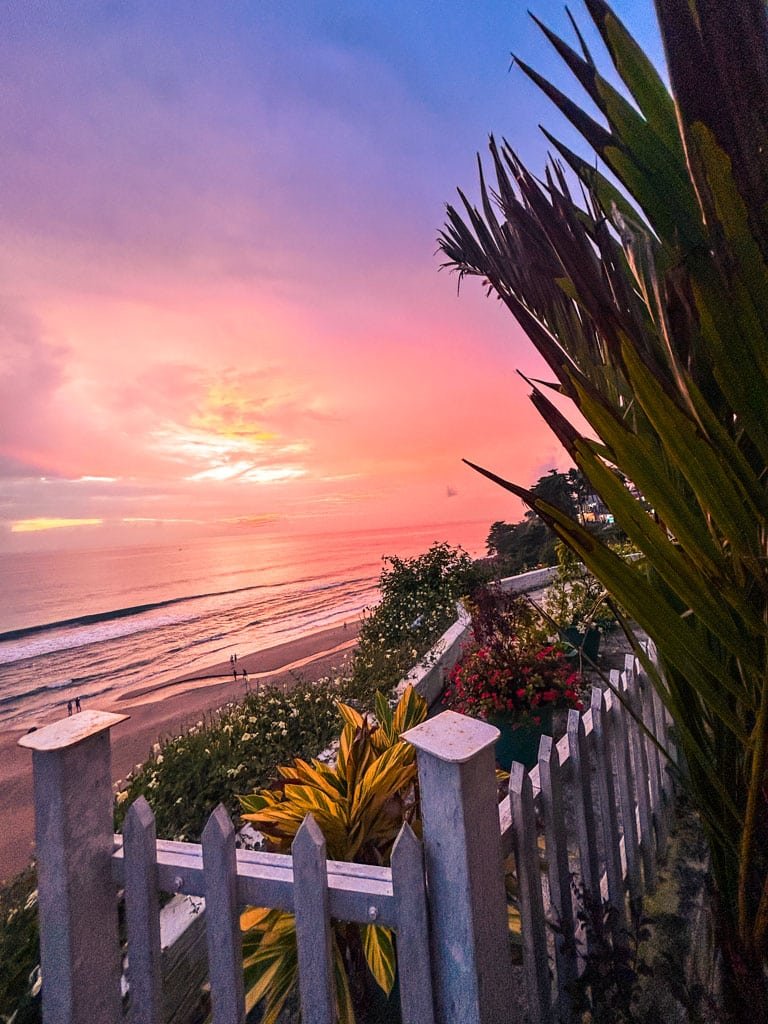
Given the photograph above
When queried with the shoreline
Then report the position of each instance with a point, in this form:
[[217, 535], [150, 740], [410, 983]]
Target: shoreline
[[161, 711]]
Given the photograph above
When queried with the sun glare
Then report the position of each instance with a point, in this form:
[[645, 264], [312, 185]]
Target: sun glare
[[34, 525]]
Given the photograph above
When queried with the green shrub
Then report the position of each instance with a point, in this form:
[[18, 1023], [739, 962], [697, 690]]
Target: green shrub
[[19, 950], [418, 603], [235, 751]]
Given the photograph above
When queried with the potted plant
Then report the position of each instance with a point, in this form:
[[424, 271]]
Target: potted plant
[[575, 603], [511, 676]]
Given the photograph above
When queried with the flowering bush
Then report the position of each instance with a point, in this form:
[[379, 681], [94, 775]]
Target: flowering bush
[[510, 667], [418, 603], [523, 683], [234, 751]]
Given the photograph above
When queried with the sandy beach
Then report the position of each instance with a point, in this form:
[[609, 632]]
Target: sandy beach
[[161, 711]]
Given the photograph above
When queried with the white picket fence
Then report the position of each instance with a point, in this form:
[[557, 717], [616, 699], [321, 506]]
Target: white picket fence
[[446, 900], [611, 768], [304, 883]]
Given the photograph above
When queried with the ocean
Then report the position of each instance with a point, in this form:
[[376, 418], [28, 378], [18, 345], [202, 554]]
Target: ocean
[[95, 623]]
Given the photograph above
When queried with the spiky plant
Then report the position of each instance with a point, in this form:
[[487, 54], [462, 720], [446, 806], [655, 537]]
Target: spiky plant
[[360, 804], [645, 288]]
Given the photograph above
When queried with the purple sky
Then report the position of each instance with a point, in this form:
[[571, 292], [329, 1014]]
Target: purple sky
[[219, 294]]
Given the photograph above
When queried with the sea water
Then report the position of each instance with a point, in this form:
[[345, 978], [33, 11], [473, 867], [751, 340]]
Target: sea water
[[93, 624]]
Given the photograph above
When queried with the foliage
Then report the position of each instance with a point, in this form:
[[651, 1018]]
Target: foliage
[[607, 992], [507, 668], [530, 543], [649, 303], [418, 603], [502, 619], [19, 950], [525, 685], [237, 750], [359, 804], [576, 599]]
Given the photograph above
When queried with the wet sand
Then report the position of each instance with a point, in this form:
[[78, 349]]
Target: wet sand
[[162, 711]]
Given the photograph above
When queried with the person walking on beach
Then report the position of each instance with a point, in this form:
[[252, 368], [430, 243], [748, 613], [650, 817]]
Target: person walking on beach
[[69, 707], [77, 704], [245, 677]]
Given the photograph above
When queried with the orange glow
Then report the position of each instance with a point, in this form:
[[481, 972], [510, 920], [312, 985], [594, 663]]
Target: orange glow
[[35, 525]]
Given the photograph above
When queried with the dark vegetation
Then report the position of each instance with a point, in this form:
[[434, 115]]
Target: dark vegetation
[[19, 950], [530, 543]]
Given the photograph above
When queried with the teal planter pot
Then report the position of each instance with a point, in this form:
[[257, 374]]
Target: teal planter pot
[[588, 643], [519, 742]]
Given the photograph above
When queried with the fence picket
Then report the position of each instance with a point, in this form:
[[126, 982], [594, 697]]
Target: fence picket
[[225, 947], [142, 913], [581, 795], [558, 872], [314, 941], [640, 782], [654, 763], [535, 958], [619, 734], [662, 734], [410, 893], [610, 828]]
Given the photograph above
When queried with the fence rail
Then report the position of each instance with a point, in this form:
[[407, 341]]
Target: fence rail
[[596, 805]]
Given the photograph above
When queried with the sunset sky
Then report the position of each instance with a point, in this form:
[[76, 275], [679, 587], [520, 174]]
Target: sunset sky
[[219, 293]]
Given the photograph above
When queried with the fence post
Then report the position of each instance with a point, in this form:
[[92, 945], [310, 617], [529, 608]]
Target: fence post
[[77, 900], [465, 880]]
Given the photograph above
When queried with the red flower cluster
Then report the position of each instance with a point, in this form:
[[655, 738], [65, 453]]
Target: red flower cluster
[[485, 682]]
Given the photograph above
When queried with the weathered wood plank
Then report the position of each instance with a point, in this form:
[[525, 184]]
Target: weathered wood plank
[[222, 911], [535, 958], [314, 940], [662, 734], [266, 880], [142, 913], [558, 872], [610, 827], [413, 961], [619, 731], [654, 764], [184, 961], [584, 814], [640, 781]]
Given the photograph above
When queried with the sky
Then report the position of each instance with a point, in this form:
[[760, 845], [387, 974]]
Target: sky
[[220, 296]]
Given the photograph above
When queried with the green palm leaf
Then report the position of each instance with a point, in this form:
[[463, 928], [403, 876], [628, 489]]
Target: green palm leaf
[[648, 300]]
